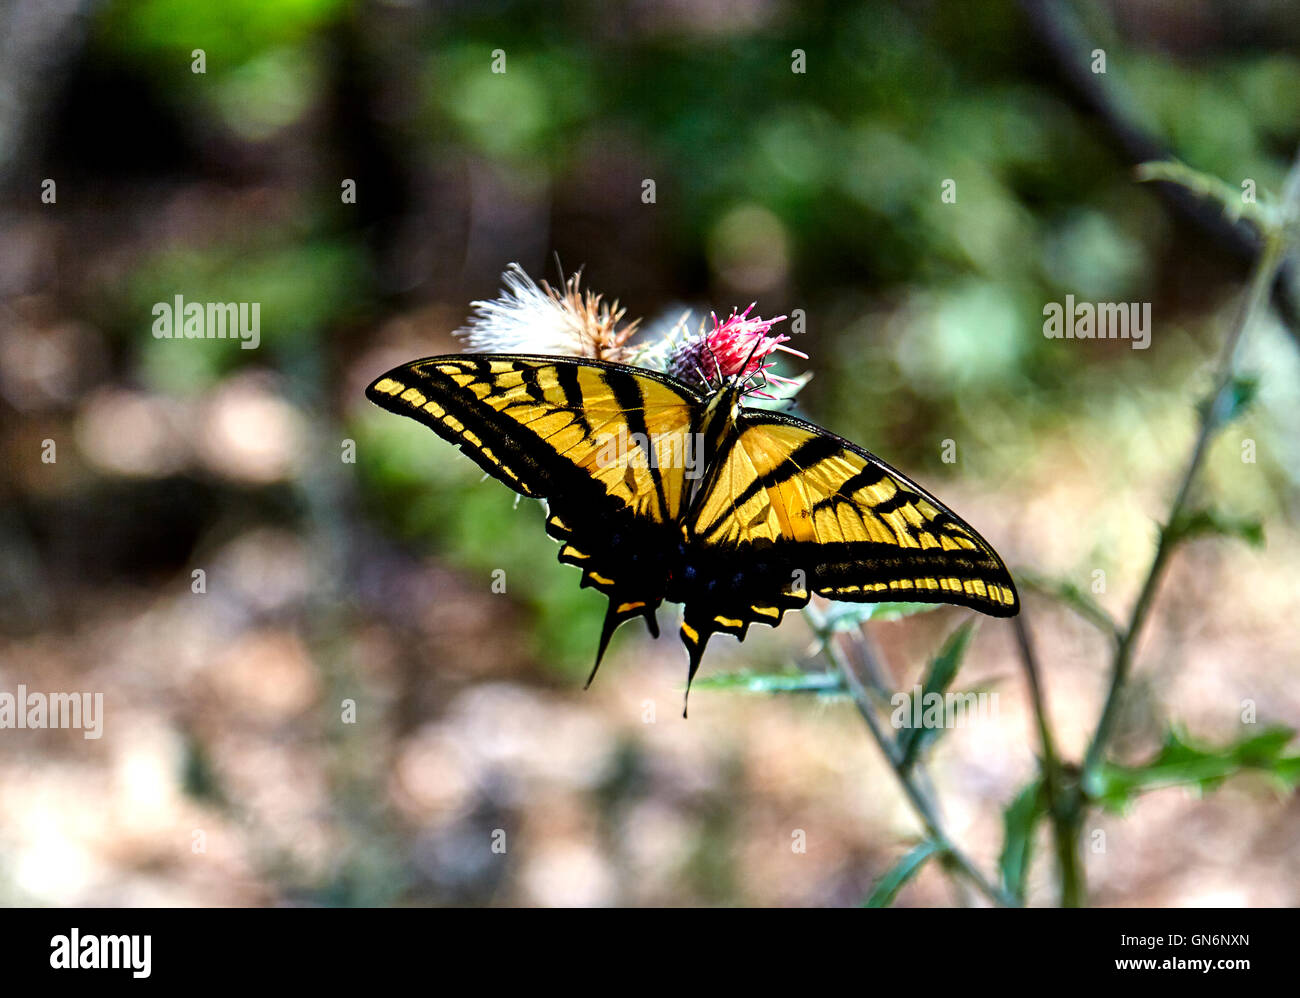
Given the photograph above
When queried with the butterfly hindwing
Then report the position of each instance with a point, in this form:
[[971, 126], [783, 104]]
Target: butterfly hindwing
[[653, 497], [607, 446], [791, 509]]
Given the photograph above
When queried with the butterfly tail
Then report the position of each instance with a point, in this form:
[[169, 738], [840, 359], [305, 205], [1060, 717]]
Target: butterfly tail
[[695, 639], [620, 611], [612, 621]]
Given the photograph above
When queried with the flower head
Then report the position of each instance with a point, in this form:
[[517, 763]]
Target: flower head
[[737, 348], [533, 317], [568, 322]]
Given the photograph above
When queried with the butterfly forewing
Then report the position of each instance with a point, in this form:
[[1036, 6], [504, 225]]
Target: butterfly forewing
[[550, 418], [608, 447]]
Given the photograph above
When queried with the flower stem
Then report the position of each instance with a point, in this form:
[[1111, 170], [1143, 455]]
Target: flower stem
[[921, 801], [1254, 302], [1063, 802]]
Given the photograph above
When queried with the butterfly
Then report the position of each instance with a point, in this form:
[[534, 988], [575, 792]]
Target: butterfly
[[657, 492]]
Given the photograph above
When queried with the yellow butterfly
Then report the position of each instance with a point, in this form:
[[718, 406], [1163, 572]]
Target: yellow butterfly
[[658, 493]]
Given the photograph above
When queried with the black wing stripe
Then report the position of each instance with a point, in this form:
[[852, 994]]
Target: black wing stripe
[[803, 457], [871, 475], [567, 375], [894, 503], [532, 387], [630, 398]]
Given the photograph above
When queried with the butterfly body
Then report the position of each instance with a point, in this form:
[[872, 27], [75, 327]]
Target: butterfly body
[[658, 492]]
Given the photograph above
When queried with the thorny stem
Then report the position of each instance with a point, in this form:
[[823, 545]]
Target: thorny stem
[[1062, 798], [1066, 799], [1253, 303], [864, 651], [920, 800]]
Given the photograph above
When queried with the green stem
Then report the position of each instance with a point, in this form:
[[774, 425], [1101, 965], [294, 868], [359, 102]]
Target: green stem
[[1063, 803], [1253, 303], [920, 801]]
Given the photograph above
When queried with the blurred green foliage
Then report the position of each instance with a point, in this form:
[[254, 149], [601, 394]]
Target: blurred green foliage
[[819, 191], [302, 289], [236, 33], [923, 316]]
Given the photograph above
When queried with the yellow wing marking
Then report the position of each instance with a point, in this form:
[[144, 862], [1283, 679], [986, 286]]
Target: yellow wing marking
[[810, 506], [586, 423], [630, 433], [786, 482]]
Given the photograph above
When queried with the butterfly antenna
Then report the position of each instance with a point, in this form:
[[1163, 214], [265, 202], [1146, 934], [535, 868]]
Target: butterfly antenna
[[758, 342]]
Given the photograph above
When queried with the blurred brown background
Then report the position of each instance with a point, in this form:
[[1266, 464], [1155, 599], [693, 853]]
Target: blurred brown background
[[370, 581]]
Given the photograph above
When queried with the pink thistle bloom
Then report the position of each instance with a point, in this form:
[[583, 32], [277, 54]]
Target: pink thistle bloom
[[736, 348]]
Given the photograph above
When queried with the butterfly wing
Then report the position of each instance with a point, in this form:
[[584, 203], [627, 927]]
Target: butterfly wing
[[608, 446], [791, 509]]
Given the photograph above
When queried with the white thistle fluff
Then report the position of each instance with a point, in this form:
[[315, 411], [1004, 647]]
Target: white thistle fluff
[[567, 321], [529, 319]]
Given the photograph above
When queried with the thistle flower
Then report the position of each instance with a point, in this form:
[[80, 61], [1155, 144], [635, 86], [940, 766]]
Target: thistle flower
[[533, 317], [738, 347], [567, 322]]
